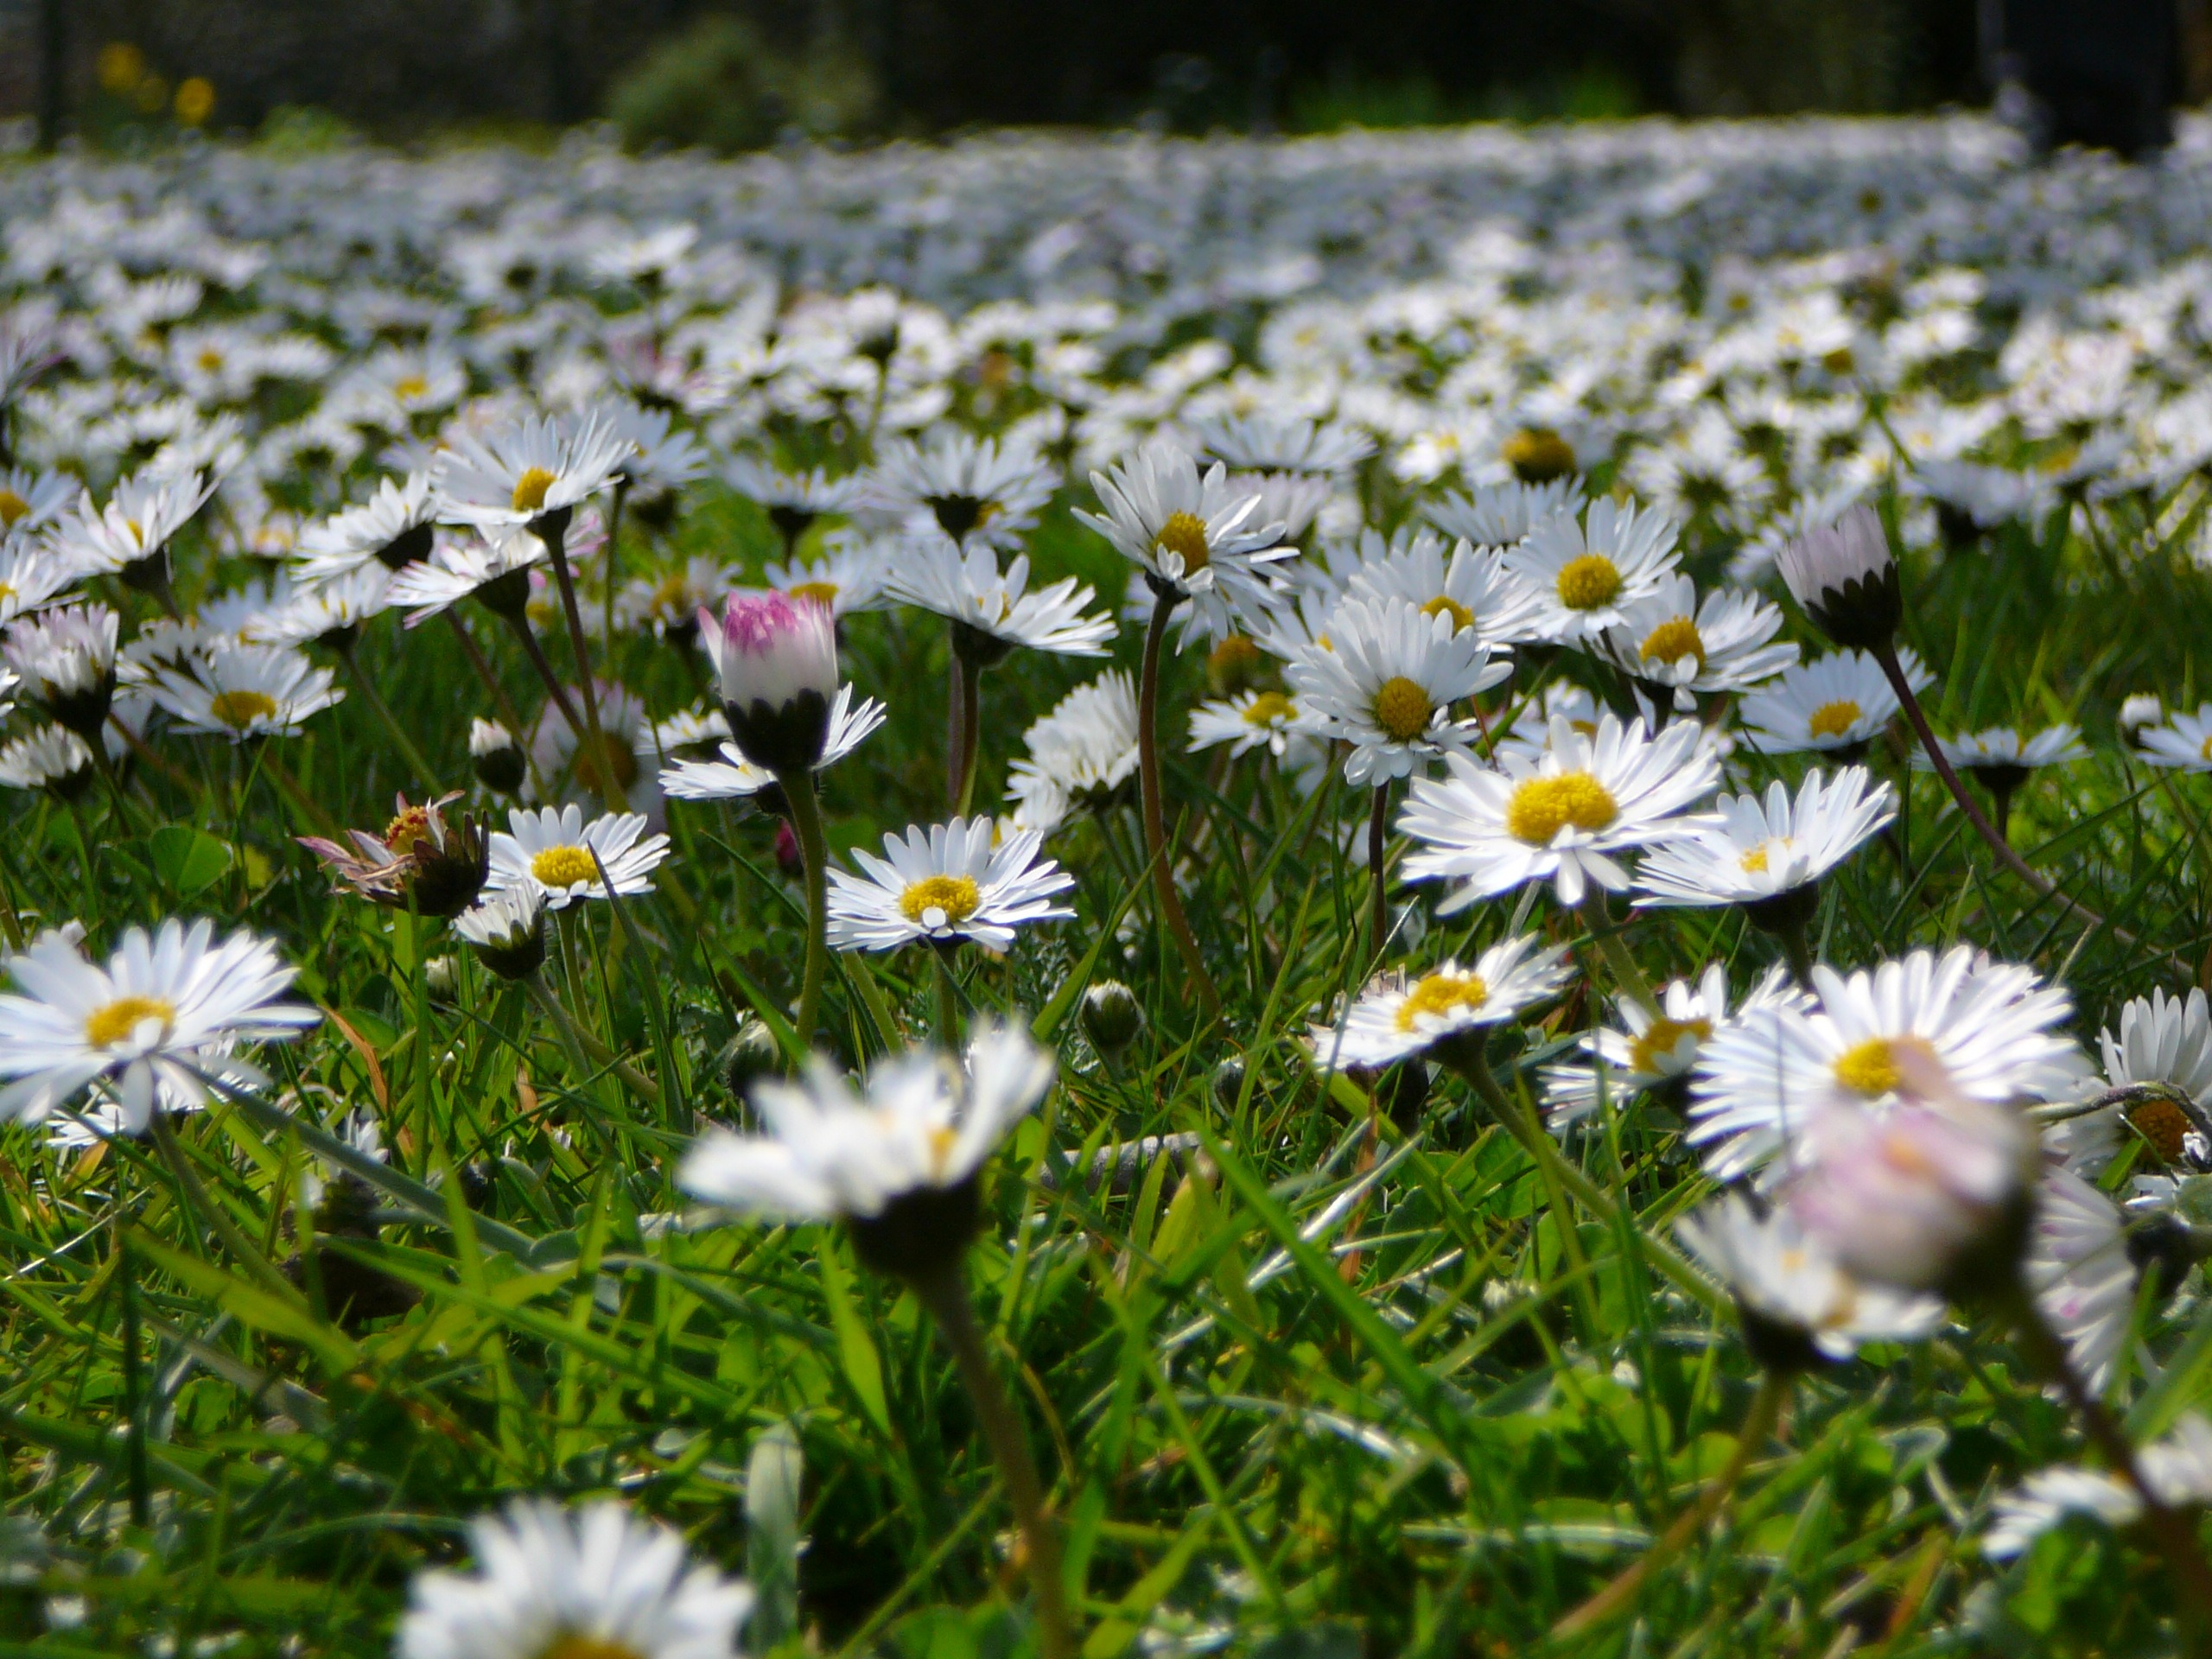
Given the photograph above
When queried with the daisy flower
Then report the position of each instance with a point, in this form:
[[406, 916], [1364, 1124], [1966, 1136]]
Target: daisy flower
[[2080, 1273], [1471, 585], [2158, 1069], [552, 848], [1387, 685], [131, 534], [164, 1009], [1587, 572], [421, 862], [978, 492], [791, 501], [1081, 754], [31, 573], [1840, 702], [943, 884], [1500, 516], [1846, 579], [1760, 852], [594, 1581], [776, 662], [535, 472], [31, 501], [991, 611], [849, 575], [1191, 535], [331, 613], [2178, 1467], [729, 776], [246, 691], [1249, 720], [53, 759], [2182, 742], [1652, 1051], [496, 757], [1394, 1018], [495, 573], [1268, 443], [669, 605], [2000, 760], [392, 528], [506, 930], [1558, 816], [1792, 1293], [66, 660], [1990, 1026], [1721, 643], [896, 1161]]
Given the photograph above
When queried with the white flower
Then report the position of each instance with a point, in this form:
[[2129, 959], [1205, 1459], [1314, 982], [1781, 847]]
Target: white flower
[[246, 691], [2178, 1467], [163, 1010], [66, 661], [2145, 709], [1988, 1025], [793, 500], [1846, 580], [1471, 587], [506, 930], [135, 527], [1269, 443], [1386, 683], [1249, 720], [1558, 816], [2184, 741], [1587, 572], [2081, 1274], [494, 572], [331, 612], [2002, 755], [1500, 516], [670, 604], [921, 1124], [730, 776], [848, 574], [516, 477], [967, 588], [31, 501], [552, 848], [1718, 644], [777, 662], [945, 883], [391, 527], [1783, 1276], [1393, 1018], [1655, 1050], [52, 758], [1194, 536], [978, 492], [594, 1581], [1079, 754], [2164, 1042], [1841, 701], [31, 575], [1760, 850]]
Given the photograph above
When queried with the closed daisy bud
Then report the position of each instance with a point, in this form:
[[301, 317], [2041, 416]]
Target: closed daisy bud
[[1846, 580], [749, 1056], [496, 756], [507, 931], [1112, 1018], [777, 658]]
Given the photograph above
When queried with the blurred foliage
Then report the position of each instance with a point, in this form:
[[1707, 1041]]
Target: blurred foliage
[[719, 86]]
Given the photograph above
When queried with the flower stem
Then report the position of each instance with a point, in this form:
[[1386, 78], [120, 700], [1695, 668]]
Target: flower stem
[[814, 852], [520, 623], [2175, 1536], [1599, 921], [1378, 903], [556, 533], [956, 733], [425, 773], [585, 1049], [1758, 1424], [945, 1295], [948, 999], [1798, 947], [971, 735], [1155, 828]]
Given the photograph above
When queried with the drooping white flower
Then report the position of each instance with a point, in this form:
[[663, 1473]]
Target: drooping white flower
[[1846, 578]]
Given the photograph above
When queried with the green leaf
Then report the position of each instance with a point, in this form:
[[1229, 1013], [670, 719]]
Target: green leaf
[[187, 860], [863, 1370]]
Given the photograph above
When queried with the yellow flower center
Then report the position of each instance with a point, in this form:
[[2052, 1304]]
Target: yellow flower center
[[1834, 719], [1185, 534], [1660, 1039], [104, 1027], [1537, 455], [403, 832], [1838, 361], [210, 360], [531, 488], [1270, 708], [1588, 582], [589, 1647], [1402, 709], [12, 509], [562, 868], [1674, 640], [2163, 1125], [943, 1139], [824, 593], [1755, 861], [239, 709], [1441, 994], [1542, 807], [1444, 605], [1870, 1068], [409, 387], [954, 898]]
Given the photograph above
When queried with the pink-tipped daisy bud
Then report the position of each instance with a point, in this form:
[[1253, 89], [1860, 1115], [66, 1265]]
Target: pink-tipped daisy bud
[[1846, 580], [777, 658]]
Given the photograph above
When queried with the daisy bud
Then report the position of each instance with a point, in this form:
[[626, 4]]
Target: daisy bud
[[496, 756], [778, 660], [1846, 581], [749, 1056], [2139, 710], [1228, 1083], [507, 932], [1112, 1018], [789, 859]]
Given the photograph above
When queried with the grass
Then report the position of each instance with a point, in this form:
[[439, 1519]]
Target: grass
[[1341, 1386]]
